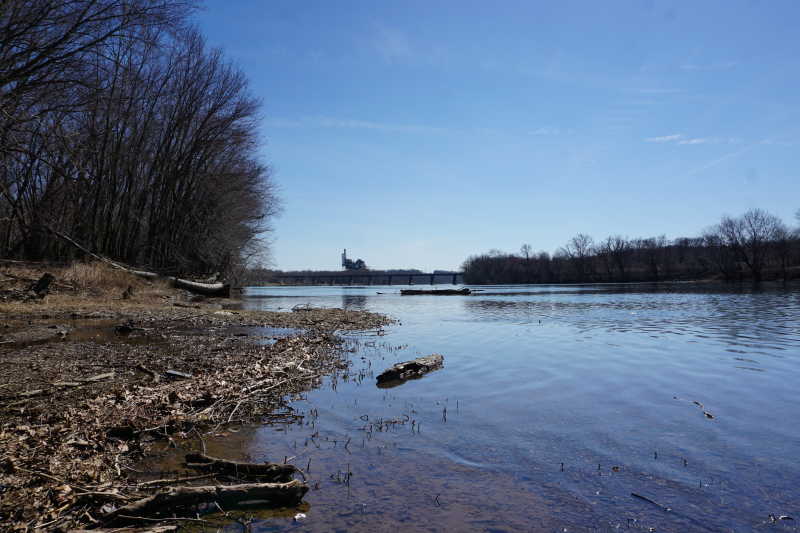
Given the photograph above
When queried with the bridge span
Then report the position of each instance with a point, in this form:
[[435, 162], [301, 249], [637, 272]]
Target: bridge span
[[368, 278]]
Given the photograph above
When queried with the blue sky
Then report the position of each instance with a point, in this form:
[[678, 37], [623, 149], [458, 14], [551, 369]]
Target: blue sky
[[418, 133]]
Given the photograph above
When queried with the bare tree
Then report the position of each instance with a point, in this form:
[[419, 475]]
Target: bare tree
[[784, 243], [121, 128], [616, 254], [756, 241], [749, 236], [526, 250], [579, 250]]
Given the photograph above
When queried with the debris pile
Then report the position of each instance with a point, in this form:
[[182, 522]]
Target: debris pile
[[77, 413]]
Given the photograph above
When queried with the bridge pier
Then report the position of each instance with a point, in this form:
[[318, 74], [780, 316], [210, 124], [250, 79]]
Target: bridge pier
[[455, 278]]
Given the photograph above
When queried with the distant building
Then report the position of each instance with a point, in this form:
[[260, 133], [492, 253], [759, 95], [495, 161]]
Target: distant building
[[349, 264]]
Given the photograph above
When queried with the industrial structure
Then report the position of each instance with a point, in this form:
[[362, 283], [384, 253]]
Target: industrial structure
[[349, 264]]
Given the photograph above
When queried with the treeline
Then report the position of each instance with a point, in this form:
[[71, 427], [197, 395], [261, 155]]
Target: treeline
[[120, 128], [754, 246]]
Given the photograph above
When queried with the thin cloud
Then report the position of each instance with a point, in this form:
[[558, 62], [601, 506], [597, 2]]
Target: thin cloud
[[775, 142], [551, 131], [709, 67], [324, 122], [645, 90], [354, 124], [680, 139], [664, 139], [722, 159]]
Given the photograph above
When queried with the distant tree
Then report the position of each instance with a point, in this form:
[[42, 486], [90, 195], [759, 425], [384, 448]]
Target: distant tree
[[749, 236], [579, 250], [616, 255], [757, 241], [526, 250], [543, 267], [719, 253], [653, 254], [784, 243]]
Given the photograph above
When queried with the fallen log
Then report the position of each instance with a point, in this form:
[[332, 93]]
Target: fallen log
[[272, 471], [411, 369], [222, 290], [279, 494], [435, 292]]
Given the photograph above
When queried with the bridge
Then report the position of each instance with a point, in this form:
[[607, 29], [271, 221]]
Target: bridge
[[366, 277]]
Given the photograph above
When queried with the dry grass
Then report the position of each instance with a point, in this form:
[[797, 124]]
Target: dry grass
[[98, 276], [81, 284], [105, 282]]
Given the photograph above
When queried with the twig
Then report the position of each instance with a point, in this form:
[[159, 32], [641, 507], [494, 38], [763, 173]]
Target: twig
[[175, 519], [648, 500], [154, 482]]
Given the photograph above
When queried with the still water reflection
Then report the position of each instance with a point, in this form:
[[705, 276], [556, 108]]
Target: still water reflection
[[555, 404]]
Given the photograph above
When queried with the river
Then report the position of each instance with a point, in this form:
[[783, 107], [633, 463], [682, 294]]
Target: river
[[556, 407]]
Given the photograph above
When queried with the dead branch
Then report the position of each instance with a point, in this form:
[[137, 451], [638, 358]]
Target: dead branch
[[157, 482], [290, 493], [154, 529], [272, 471]]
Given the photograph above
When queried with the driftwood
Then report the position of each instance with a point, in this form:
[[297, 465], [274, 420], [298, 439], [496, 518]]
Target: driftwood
[[222, 290], [435, 292], [174, 374], [272, 471], [411, 369], [284, 494]]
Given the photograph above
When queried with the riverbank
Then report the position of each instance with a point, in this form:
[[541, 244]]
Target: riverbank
[[91, 381]]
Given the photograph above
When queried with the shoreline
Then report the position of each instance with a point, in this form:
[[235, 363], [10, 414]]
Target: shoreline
[[90, 386]]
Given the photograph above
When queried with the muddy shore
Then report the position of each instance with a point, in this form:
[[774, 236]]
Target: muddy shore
[[90, 383]]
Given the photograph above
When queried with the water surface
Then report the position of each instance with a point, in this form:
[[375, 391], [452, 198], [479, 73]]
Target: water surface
[[555, 404]]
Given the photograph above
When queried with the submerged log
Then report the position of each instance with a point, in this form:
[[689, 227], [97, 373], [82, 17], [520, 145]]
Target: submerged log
[[411, 369], [279, 494], [272, 471], [436, 292]]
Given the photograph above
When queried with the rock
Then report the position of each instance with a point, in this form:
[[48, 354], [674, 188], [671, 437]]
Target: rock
[[412, 369], [40, 288]]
